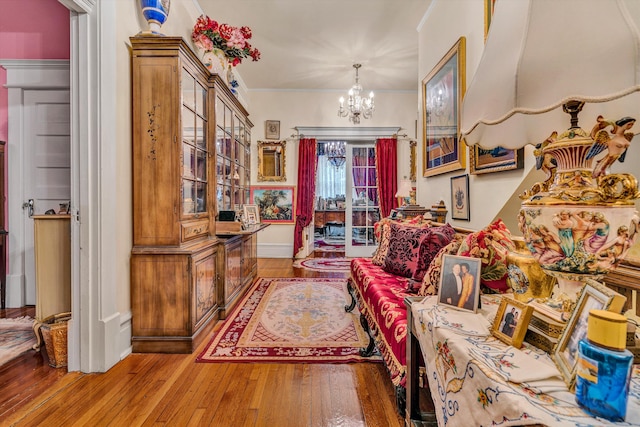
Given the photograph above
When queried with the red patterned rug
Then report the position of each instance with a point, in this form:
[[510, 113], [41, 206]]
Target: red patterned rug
[[290, 320], [324, 264]]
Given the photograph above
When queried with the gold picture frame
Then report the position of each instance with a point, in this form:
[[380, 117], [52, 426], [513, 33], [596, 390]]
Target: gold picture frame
[[272, 161], [593, 296], [496, 159], [442, 92], [511, 321]]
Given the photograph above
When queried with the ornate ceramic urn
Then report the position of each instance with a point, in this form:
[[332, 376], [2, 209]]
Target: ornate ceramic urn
[[580, 222]]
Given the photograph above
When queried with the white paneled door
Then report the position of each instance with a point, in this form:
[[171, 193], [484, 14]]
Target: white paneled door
[[47, 165]]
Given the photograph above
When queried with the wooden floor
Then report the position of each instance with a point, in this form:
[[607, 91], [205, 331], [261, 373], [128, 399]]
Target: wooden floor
[[173, 390]]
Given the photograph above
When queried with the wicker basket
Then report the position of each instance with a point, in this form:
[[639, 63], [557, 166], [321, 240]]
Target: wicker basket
[[54, 334]]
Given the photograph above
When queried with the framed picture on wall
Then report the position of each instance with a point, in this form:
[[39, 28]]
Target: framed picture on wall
[[276, 204], [497, 159], [442, 92], [272, 129], [460, 208]]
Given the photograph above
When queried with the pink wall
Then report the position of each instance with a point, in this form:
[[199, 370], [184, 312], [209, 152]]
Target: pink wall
[[30, 29]]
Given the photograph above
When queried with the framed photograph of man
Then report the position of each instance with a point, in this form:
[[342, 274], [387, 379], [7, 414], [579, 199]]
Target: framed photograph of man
[[460, 282], [511, 321]]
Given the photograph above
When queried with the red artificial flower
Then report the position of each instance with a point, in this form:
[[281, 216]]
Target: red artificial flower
[[255, 54], [246, 32], [236, 61], [226, 31]]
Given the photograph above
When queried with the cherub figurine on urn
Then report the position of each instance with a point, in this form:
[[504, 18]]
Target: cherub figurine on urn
[[581, 221]]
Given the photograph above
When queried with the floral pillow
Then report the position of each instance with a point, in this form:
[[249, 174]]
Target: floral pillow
[[404, 247], [431, 280], [491, 245], [436, 239], [381, 232]]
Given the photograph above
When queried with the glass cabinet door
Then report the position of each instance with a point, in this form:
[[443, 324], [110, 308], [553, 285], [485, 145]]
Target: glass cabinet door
[[194, 146]]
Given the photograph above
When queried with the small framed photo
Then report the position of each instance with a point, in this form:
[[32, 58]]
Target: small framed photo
[[251, 214], [272, 129], [511, 321], [460, 208], [460, 282], [594, 296]]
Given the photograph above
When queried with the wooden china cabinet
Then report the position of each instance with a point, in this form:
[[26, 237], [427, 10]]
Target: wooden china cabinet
[[179, 115]]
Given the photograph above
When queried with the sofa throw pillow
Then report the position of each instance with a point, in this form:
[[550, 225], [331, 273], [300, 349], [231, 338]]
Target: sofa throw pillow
[[381, 232], [404, 246], [491, 245], [431, 279], [436, 239]]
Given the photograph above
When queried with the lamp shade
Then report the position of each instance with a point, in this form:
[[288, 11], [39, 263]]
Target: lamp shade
[[540, 54], [404, 190]]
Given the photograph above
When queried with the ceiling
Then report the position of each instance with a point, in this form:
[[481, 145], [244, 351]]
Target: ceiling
[[313, 44]]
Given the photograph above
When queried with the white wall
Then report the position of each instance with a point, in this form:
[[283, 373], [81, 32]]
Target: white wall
[[298, 108], [444, 23]]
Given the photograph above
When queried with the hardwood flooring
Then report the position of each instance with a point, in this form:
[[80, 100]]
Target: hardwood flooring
[[173, 390]]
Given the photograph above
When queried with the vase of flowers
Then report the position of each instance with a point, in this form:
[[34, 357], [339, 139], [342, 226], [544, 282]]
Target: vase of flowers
[[230, 45]]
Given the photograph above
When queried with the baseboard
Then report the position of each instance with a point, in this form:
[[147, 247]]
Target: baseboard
[[124, 338], [275, 250], [15, 291]]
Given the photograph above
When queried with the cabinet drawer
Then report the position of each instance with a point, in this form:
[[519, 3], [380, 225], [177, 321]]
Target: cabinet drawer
[[194, 229]]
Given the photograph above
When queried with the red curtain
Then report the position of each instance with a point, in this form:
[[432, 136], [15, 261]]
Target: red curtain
[[306, 189], [387, 172]]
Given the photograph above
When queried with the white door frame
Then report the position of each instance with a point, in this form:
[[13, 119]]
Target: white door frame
[[98, 335]]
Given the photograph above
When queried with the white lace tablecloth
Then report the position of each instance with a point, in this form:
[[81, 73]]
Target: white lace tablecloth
[[477, 380]]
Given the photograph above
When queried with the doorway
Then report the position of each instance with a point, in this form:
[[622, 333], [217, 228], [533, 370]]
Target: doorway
[[329, 215], [346, 198]]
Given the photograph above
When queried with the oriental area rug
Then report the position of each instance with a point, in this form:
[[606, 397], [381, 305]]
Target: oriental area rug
[[16, 337], [291, 320], [334, 265]]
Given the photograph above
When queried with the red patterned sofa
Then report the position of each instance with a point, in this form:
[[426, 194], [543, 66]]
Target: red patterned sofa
[[379, 289]]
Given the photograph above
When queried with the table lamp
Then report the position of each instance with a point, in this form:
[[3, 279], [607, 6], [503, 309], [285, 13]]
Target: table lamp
[[412, 209], [405, 190], [544, 63]]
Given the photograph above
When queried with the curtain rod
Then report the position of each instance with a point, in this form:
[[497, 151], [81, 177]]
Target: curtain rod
[[399, 137]]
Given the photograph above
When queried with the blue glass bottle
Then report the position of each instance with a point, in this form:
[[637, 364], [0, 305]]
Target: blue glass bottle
[[604, 366]]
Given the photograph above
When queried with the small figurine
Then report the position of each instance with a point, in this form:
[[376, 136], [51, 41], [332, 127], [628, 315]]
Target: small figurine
[[615, 145]]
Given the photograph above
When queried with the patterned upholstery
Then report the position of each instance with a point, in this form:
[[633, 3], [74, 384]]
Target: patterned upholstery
[[491, 245], [380, 296]]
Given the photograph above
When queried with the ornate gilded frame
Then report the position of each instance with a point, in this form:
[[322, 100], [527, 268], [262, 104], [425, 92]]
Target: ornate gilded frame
[[494, 160], [272, 161], [442, 92]]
